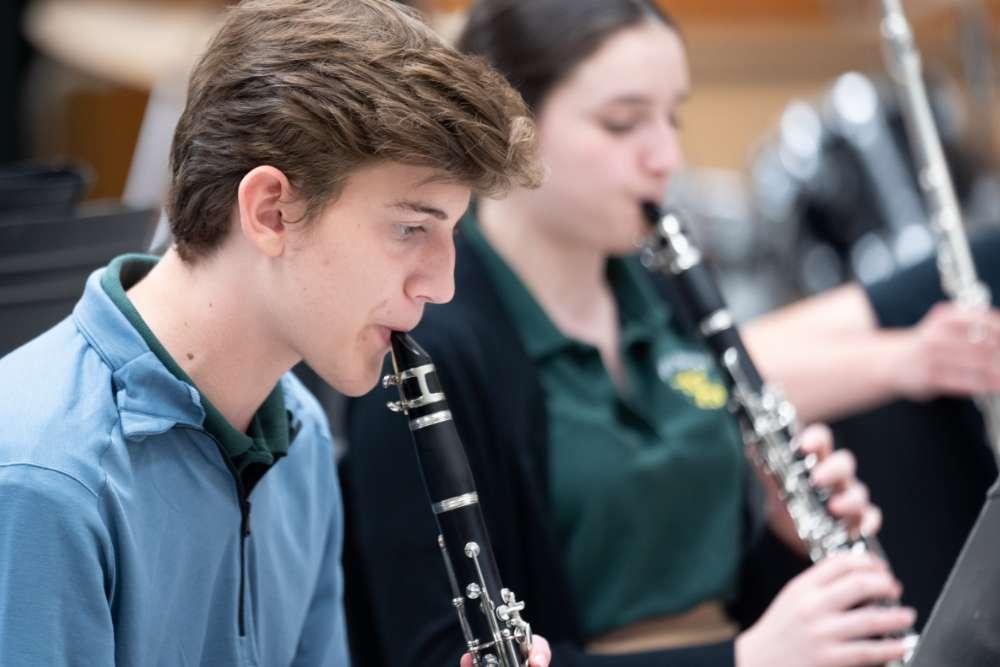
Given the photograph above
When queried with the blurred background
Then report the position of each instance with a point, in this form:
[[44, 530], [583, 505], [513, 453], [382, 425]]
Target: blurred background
[[798, 172]]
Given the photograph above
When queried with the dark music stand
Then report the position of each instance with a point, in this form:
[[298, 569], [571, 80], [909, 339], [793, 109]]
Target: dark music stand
[[44, 264], [964, 628]]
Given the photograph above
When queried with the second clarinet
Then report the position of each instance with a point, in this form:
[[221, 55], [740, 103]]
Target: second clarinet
[[767, 420], [498, 635]]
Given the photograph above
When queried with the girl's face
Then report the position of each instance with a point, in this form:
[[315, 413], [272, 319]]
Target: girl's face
[[609, 139]]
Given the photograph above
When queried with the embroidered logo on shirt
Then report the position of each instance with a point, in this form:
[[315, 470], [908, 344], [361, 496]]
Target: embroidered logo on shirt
[[688, 373], [706, 393]]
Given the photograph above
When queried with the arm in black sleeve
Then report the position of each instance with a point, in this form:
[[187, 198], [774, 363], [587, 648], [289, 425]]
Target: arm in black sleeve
[[710, 655]]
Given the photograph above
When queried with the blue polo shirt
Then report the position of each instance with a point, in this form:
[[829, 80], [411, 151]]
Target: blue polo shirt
[[120, 521]]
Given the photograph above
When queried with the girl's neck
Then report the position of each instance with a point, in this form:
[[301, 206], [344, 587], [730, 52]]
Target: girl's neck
[[566, 277]]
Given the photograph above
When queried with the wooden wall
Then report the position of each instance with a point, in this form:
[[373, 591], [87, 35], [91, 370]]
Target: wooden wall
[[749, 58]]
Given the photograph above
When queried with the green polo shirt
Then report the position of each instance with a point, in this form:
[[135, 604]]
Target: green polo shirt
[[646, 487], [266, 439]]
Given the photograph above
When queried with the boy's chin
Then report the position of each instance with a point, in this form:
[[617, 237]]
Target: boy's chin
[[360, 384]]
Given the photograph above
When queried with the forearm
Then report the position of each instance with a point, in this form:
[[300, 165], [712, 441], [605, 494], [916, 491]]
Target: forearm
[[829, 376], [827, 354], [841, 311]]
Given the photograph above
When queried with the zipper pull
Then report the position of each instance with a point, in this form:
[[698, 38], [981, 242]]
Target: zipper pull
[[245, 523]]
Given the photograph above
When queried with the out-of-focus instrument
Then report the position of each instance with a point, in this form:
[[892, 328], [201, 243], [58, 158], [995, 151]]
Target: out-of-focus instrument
[[954, 258], [767, 419]]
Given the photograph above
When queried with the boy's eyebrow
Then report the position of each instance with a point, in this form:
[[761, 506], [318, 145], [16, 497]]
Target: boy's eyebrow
[[419, 207]]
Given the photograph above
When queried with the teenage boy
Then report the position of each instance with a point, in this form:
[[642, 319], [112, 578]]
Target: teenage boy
[[167, 490]]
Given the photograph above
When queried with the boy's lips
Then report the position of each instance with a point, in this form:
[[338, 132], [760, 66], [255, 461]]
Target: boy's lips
[[385, 333]]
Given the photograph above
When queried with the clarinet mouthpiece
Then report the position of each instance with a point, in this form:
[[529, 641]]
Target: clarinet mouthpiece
[[652, 213], [406, 352]]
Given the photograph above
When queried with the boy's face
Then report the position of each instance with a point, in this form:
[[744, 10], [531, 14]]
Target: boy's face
[[366, 267]]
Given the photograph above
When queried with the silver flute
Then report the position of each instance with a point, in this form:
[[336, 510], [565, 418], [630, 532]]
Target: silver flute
[[954, 258], [767, 420], [498, 636]]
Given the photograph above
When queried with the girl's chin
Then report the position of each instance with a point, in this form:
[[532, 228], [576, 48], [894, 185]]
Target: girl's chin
[[625, 247]]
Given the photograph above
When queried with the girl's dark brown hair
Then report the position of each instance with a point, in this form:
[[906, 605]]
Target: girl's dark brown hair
[[536, 43]]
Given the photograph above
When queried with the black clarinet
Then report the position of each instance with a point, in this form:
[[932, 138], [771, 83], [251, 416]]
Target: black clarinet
[[767, 420], [497, 636]]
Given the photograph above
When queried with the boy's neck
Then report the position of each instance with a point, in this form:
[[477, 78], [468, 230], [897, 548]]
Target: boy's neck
[[207, 318]]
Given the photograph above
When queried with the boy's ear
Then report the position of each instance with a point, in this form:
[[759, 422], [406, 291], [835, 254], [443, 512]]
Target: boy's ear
[[264, 202]]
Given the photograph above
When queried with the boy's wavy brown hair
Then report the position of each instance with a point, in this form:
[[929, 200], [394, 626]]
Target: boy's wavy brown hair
[[320, 88]]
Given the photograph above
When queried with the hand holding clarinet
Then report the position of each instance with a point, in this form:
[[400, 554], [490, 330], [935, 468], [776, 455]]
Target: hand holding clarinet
[[843, 611]]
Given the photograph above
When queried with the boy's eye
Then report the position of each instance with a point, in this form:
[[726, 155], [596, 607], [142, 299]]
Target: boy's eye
[[405, 231]]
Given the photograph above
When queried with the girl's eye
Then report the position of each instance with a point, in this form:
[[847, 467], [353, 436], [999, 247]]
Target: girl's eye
[[619, 127]]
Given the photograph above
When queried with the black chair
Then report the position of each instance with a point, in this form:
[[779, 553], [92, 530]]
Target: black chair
[[44, 264], [41, 191]]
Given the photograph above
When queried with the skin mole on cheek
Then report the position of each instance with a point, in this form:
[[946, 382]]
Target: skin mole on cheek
[[190, 356]]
